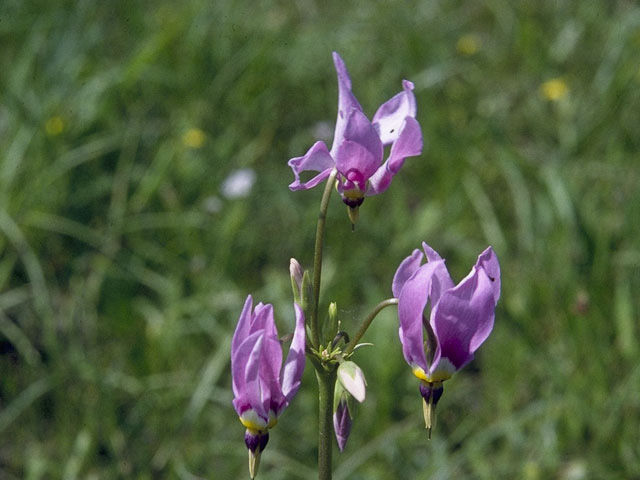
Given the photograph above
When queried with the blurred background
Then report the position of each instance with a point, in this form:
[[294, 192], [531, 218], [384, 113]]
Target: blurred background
[[143, 195]]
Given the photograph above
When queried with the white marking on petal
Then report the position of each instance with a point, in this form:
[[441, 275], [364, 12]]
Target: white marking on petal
[[443, 371], [253, 421]]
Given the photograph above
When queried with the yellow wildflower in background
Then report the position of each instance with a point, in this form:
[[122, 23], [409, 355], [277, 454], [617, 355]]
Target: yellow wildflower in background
[[468, 44], [194, 138], [54, 126], [554, 89]]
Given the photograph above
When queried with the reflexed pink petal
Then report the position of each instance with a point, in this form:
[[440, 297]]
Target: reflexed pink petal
[[407, 268], [346, 101], [488, 261], [486, 311], [245, 374], [390, 116], [380, 180], [359, 131], [432, 255], [244, 325], [355, 163], [270, 364], [316, 159], [411, 304], [463, 318], [408, 144], [263, 319], [441, 279]]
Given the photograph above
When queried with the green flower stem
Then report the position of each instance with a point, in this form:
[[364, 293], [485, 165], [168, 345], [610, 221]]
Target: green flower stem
[[326, 385], [317, 258], [326, 374], [367, 321]]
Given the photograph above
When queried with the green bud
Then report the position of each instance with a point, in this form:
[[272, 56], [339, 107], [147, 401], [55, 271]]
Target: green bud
[[300, 284], [295, 269], [338, 393], [331, 327]]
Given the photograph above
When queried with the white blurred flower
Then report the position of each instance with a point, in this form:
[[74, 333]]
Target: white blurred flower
[[239, 183]]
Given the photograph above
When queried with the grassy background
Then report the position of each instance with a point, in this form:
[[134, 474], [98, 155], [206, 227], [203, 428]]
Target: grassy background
[[123, 268]]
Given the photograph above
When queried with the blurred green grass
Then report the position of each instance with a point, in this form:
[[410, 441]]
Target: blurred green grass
[[123, 267]]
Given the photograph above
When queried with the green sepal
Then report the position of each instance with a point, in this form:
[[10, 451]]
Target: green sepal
[[306, 291], [341, 395]]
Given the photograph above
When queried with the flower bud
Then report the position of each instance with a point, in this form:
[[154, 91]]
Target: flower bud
[[330, 328], [300, 284], [342, 422], [295, 269], [352, 379]]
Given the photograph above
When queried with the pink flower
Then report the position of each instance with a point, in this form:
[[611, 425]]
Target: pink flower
[[262, 387], [461, 316], [358, 144]]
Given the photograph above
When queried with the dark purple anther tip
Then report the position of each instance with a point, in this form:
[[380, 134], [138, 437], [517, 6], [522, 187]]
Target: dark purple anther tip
[[353, 202], [431, 390], [254, 442]]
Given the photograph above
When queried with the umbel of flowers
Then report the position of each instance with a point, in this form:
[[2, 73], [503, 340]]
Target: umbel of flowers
[[436, 341]]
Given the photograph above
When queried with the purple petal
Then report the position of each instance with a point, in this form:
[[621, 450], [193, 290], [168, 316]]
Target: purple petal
[[407, 268], [391, 114], [294, 365], [245, 371], [316, 159], [356, 164], [380, 180], [441, 281], [263, 320], [360, 149], [463, 318], [411, 304], [346, 101], [486, 311], [260, 378], [488, 261], [408, 144], [244, 325], [270, 361], [432, 255], [270, 365], [342, 424]]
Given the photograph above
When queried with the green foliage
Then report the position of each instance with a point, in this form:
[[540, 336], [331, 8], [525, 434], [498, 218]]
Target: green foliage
[[123, 267]]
